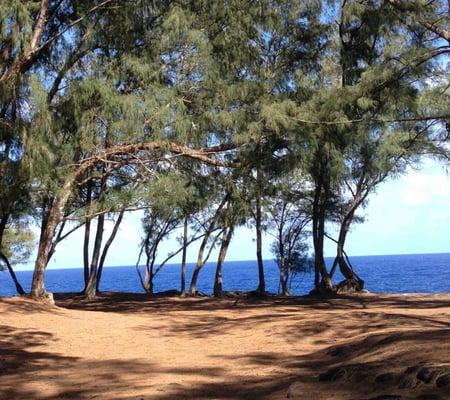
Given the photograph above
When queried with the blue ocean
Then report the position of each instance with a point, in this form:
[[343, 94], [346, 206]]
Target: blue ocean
[[412, 273]]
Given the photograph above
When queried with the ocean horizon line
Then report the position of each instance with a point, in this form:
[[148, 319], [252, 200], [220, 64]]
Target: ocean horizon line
[[30, 268]]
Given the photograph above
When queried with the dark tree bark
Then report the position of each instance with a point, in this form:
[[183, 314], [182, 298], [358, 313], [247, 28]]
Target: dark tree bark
[[148, 277], [322, 280], [3, 223], [150, 264], [183, 260], [352, 280], [19, 287], [107, 246], [87, 234], [218, 280], [282, 260], [90, 291], [258, 222], [284, 274]]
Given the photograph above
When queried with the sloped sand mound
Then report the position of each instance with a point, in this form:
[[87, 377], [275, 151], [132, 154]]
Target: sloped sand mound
[[124, 346]]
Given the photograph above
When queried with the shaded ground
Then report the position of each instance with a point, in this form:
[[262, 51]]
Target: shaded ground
[[135, 347]]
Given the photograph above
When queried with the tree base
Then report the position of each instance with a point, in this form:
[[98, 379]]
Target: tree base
[[349, 286], [343, 287], [43, 297]]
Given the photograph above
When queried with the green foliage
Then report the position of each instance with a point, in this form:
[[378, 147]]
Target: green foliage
[[327, 95], [17, 244]]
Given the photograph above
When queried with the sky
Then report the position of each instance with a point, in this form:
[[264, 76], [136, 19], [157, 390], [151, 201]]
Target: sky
[[407, 215]]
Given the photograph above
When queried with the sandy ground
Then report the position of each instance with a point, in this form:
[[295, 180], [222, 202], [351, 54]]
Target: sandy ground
[[133, 347]]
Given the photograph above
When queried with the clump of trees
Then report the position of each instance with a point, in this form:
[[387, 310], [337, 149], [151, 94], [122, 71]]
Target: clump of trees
[[210, 115]]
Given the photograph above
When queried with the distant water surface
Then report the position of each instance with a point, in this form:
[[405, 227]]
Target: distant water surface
[[413, 273]]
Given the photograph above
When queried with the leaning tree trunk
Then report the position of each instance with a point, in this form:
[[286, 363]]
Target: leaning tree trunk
[[91, 288], [258, 219], [218, 280], [183, 259], [57, 207], [55, 216], [107, 246], [3, 223], [352, 281], [200, 260], [19, 287]]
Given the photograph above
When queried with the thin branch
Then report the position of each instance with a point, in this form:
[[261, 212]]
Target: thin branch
[[170, 256], [71, 25], [378, 120]]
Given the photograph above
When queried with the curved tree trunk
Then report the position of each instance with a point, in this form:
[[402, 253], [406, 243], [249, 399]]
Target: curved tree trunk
[[55, 216], [352, 281], [200, 260], [107, 246], [218, 280]]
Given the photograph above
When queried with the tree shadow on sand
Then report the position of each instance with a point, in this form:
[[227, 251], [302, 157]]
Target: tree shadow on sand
[[26, 372], [143, 303], [353, 347], [382, 366]]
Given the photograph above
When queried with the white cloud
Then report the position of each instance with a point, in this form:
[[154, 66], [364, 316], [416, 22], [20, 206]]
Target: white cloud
[[425, 188]]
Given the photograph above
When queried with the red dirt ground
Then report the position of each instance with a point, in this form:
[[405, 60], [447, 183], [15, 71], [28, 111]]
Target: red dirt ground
[[135, 347]]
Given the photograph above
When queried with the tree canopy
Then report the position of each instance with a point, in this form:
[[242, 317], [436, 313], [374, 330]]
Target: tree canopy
[[214, 114]]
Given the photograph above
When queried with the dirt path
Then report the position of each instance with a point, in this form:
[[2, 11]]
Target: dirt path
[[132, 347]]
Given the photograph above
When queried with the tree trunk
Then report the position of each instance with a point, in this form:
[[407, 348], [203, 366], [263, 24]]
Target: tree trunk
[[3, 223], [91, 288], [55, 216], [148, 278], [19, 287], [218, 280], [315, 232], [352, 281], [258, 219], [149, 265], [282, 262], [183, 258], [284, 278], [107, 246], [200, 261], [322, 280], [87, 234]]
